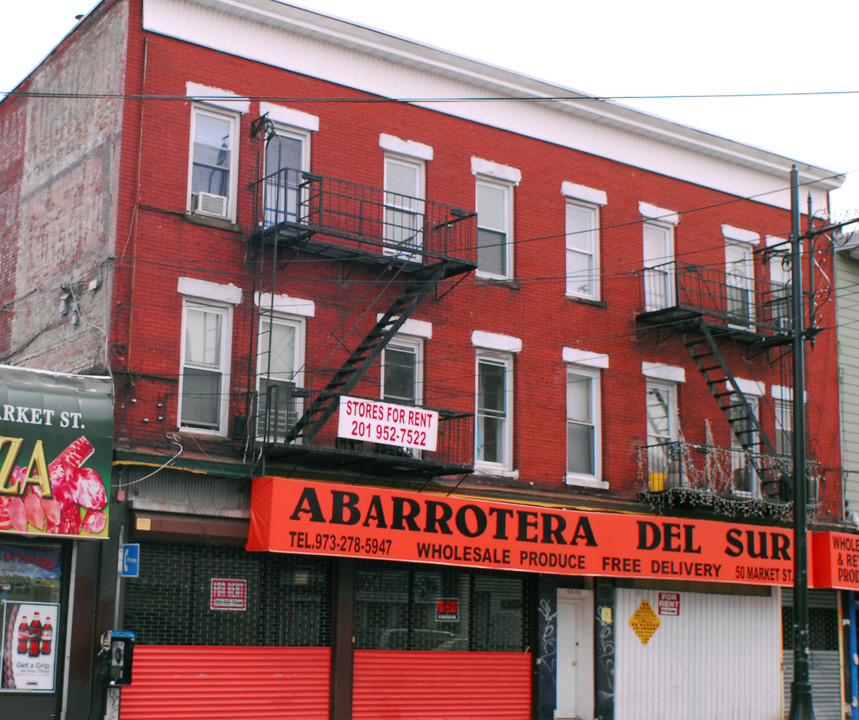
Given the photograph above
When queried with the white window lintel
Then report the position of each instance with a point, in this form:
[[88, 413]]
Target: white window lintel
[[409, 148], [583, 193], [491, 169], [285, 304], [740, 235], [289, 116], [217, 97], [575, 356], [780, 392], [496, 341], [652, 212], [660, 371], [750, 387], [417, 328], [210, 291]]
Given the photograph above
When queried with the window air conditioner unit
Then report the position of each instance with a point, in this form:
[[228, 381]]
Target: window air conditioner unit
[[209, 204]]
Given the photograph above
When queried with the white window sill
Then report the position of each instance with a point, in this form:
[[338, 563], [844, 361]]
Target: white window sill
[[202, 431], [586, 481], [483, 275], [582, 296], [494, 470]]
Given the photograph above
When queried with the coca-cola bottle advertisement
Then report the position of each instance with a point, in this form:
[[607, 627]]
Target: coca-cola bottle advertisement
[[29, 646]]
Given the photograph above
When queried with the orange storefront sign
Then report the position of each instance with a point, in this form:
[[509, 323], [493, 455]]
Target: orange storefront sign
[[836, 560], [306, 517]]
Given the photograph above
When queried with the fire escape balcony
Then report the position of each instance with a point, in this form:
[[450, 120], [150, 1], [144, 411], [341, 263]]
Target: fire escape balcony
[[280, 433], [727, 480], [680, 296], [342, 220], [338, 220]]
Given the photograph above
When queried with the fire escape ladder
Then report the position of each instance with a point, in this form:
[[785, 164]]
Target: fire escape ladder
[[736, 408], [421, 284]]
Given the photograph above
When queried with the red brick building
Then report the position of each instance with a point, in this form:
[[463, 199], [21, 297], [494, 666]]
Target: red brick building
[[563, 327]]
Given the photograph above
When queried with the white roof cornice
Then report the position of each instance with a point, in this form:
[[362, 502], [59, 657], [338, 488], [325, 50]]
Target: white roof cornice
[[469, 78]]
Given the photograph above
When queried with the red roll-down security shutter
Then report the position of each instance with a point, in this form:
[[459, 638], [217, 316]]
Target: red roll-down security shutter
[[441, 685], [233, 683]]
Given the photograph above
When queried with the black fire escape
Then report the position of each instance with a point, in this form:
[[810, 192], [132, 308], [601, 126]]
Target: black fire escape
[[407, 246], [710, 311]]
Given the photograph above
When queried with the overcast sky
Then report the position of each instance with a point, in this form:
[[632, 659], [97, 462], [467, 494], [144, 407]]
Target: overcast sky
[[614, 48]]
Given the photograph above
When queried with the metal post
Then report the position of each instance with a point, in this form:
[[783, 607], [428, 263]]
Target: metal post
[[800, 688]]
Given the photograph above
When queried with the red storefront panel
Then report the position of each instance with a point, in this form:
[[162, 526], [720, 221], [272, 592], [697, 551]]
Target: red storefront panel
[[441, 685], [233, 683]]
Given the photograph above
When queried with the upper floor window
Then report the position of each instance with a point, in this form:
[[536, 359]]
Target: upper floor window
[[493, 431], [783, 426], [778, 302], [287, 156], [659, 270], [740, 284], [204, 381], [584, 416], [659, 261], [404, 204], [663, 457], [783, 411], [212, 187], [493, 424], [280, 362], [582, 245], [744, 417], [582, 239], [740, 275], [401, 371], [494, 202], [494, 223]]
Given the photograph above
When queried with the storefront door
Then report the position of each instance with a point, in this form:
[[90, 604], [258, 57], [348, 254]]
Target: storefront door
[[575, 668]]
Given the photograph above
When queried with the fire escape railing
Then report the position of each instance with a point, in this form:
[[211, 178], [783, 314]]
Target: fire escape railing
[[717, 297], [298, 205], [728, 472], [280, 407]]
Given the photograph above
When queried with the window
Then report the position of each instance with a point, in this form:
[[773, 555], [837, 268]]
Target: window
[[398, 607], [783, 426], [779, 303], [740, 282], [583, 424], [404, 205], [204, 382], [280, 360], [494, 223], [493, 431], [213, 162], [658, 266], [744, 435], [401, 377], [287, 154], [582, 243], [663, 453]]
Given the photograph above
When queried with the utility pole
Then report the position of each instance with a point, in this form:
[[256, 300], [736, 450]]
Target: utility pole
[[800, 689]]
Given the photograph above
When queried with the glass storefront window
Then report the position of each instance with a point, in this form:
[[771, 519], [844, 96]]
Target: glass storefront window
[[439, 608], [30, 586]]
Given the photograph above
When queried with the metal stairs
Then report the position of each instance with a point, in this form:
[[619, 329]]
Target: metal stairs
[[323, 406], [739, 413]]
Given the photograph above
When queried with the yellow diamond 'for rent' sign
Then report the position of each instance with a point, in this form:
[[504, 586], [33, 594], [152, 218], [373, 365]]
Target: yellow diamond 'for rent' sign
[[644, 622]]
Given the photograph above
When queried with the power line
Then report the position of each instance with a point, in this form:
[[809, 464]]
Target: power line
[[577, 97]]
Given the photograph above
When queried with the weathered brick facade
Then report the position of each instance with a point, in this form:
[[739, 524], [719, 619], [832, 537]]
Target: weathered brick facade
[[98, 239]]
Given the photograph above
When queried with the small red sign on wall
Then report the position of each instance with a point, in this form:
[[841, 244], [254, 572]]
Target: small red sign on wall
[[228, 594], [669, 603], [447, 610]]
